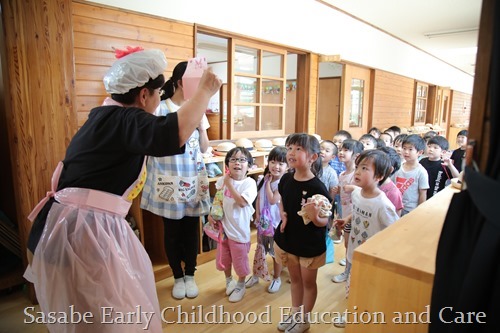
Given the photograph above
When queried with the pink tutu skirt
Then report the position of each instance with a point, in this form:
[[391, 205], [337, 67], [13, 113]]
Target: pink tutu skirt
[[89, 262]]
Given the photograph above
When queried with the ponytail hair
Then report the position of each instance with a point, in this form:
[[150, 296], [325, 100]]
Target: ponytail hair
[[173, 83]]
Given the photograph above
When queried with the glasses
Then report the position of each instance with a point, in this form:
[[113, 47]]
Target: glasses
[[161, 92], [240, 160]]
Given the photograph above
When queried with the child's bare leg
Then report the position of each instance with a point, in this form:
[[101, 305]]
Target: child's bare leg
[[310, 288], [296, 287], [227, 272], [277, 269]]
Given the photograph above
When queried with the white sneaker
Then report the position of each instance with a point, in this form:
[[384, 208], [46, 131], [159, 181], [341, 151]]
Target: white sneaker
[[275, 285], [237, 294], [230, 285], [337, 239], [191, 287], [342, 277], [179, 289], [252, 281], [339, 322], [298, 327], [285, 323], [342, 262]]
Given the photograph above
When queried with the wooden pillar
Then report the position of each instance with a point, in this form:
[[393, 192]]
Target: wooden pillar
[[38, 78], [479, 126]]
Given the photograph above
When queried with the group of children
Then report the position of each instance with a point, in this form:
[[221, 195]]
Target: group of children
[[371, 181]]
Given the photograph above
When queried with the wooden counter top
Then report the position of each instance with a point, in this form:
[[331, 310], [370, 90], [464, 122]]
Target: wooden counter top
[[393, 272], [411, 242]]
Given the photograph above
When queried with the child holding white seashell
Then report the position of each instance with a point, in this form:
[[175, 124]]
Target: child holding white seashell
[[298, 246]]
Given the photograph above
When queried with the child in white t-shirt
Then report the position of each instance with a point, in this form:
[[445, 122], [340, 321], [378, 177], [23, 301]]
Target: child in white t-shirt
[[372, 211], [239, 192]]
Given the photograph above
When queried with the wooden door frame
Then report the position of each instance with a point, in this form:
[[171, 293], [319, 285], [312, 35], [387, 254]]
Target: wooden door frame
[[345, 91]]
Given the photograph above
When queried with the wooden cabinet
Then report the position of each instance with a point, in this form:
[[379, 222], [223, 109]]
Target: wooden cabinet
[[151, 225]]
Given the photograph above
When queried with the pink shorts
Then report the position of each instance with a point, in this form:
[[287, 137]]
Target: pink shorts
[[233, 253]]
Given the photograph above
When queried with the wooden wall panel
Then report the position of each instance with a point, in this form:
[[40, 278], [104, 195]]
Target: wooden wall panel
[[460, 108], [39, 98], [98, 29], [392, 100]]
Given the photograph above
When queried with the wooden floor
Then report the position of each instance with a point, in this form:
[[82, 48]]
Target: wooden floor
[[211, 282]]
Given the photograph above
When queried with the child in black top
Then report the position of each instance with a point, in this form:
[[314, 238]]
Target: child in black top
[[300, 246], [458, 154], [439, 170]]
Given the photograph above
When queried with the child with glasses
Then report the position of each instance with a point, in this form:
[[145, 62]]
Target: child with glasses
[[239, 192]]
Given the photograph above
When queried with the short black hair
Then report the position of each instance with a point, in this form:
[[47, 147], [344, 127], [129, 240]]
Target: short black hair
[[380, 160], [390, 136], [399, 138], [416, 141], [381, 143], [440, 141], [394, 157], [352, 145], [343, 133], [374, 129], [463, 133], [369, 137], [395, 129], [429, 135], [335, 149], [235, 151]]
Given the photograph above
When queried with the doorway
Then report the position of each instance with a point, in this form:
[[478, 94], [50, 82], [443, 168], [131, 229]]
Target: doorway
[[329, 99], [327, 121]]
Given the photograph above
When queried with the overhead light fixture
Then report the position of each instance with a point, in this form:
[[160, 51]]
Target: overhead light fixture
[[449, 32]]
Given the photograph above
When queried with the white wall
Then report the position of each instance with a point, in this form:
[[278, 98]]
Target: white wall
[[327, 32]]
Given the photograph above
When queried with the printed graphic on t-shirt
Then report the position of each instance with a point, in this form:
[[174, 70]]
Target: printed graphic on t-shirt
[[404, 183], [437, 183]]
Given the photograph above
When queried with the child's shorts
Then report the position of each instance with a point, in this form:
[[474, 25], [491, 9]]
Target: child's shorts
[[285, 258], [233, 253], [347, 227]]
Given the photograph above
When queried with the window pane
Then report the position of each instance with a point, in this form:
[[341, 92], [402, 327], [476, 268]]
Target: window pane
[[245, 118], [272, 91], [357, 94], [272, 64], [272, 118], [245, 91], [245, 60], [420, 116]]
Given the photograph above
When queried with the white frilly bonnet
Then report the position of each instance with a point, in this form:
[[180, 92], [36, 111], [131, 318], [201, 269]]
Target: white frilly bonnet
[[134, 70]]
